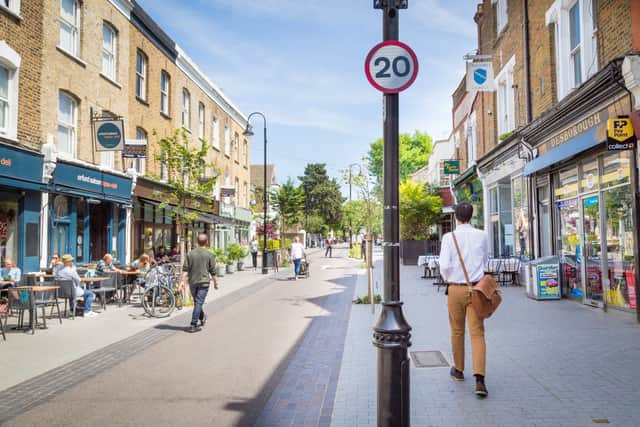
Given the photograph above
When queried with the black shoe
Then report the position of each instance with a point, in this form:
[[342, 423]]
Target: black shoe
[[456, 375], [194, 328], [203, 321], [481, 389]]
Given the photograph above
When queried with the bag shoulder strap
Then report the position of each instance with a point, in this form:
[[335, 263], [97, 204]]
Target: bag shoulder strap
[[464, 268]]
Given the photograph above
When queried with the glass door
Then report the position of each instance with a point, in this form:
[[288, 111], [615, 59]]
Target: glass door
[[592, 246], [569, 248]]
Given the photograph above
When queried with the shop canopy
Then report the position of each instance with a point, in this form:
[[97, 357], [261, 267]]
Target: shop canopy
[[569, 149]]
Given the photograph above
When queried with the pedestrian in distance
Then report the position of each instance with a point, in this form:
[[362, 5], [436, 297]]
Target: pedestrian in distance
[[253, 247], [473, 246], [200, 270], [328, 248], [297, 254], [363, 251]]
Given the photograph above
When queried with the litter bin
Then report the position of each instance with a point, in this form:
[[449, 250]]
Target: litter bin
[[543, 282]]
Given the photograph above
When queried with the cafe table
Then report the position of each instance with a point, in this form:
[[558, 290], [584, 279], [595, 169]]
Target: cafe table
[[33, 290], [128, 284]]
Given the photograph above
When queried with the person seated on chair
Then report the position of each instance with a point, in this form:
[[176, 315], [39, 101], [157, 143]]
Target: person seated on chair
[[143, 265], [9, 275], [105, 266], [68, 272], [55, 263], [162, 255]]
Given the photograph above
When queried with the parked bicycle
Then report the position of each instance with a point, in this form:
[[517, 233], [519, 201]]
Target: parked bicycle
[[161, 295]]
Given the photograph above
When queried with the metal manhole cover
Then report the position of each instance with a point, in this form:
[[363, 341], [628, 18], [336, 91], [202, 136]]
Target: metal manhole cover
[[429, 359]]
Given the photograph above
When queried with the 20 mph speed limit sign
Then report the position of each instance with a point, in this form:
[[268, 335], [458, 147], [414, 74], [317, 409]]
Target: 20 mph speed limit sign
[[391, 66]]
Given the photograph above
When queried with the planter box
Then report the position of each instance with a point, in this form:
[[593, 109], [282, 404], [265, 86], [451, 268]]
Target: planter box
[[230, 269], [221, 270], [410, 250]]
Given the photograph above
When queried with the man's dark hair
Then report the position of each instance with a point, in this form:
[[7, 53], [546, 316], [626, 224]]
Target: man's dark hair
[[464, 212], [202, 239]]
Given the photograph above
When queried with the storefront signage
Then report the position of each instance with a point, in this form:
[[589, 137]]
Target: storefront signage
[[135, 149], [591, 201], [480, 77], [548, 281], [109, 135], [227, 192], [574, 131], [20, 169], [451, 167], [91, 183], [620, 135]]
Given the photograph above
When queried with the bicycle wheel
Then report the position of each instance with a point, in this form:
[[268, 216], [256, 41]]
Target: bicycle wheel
[[158, 301]]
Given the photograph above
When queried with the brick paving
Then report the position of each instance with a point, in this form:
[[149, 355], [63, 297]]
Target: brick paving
[[551, 363]]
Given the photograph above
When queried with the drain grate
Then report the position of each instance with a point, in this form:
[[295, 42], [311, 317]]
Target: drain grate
[[429, 359]]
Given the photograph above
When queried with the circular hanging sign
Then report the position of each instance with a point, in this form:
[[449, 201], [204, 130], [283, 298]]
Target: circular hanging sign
[[109, 135], [391, 66]]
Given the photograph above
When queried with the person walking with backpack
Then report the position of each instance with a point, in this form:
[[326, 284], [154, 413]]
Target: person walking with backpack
[[464, 253], [200, 268]]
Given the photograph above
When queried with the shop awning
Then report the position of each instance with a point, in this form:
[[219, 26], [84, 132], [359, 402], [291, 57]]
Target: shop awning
[[568, 149], [465, 175], [20, 168], [86, 182]]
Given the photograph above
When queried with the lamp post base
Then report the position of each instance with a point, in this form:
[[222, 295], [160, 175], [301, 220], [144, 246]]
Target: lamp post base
[[265, 270]]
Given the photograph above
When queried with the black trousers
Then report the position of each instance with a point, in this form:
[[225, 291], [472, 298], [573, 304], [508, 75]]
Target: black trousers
[[254, 258]]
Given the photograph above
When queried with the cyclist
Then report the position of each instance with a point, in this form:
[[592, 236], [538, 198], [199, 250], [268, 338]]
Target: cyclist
[[200, 267]]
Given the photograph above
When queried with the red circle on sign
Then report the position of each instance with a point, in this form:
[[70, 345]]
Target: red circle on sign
[[379, 46]]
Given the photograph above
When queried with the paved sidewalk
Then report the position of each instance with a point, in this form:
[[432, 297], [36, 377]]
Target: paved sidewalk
[[551, 363], [25, 356]]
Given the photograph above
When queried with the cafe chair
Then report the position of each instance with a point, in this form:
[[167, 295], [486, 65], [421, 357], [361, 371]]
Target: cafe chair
[[19, 302], [105, 287], [66, 291], [47, 299]]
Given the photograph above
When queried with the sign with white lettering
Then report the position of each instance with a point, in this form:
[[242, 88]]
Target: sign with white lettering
[[620, 135], [109, 135], [135, 149]]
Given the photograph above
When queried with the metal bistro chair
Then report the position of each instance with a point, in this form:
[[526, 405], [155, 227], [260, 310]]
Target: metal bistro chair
[[46, 299], [494, 266], [19, 301], [439, 282], [106, 287], [509, 273], [67, 292]]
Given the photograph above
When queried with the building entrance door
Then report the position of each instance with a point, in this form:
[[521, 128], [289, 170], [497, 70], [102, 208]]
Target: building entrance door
[[592, 246], [99, 222]]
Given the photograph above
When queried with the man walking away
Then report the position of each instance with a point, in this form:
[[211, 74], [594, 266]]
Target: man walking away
[[327, 245], [200, 268], [474, 248]]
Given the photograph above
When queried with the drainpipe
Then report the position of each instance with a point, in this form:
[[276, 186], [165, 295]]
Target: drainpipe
[[527, 62]]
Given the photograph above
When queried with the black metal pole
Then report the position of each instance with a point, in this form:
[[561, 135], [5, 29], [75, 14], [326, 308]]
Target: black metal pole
[[392, 332], [265, 270]]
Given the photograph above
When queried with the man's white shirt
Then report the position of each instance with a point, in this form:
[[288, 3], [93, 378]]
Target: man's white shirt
[[474, 248]]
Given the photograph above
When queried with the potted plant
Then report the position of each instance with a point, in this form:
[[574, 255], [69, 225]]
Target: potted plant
[[229, 262], [221, 261], [237, 254]]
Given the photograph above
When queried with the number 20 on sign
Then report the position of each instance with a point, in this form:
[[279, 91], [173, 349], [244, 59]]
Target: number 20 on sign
[[391, 66]]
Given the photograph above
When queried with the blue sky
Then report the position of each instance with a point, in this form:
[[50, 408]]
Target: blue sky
[[301, 63]]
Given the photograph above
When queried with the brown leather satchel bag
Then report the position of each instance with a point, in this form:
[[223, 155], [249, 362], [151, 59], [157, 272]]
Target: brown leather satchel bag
[[485, 295]]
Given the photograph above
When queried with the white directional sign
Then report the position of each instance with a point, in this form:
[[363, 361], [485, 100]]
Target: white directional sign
[[391, 66]]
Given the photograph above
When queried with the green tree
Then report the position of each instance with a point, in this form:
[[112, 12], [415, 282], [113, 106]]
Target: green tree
[[186, 165], [288, 202], [415, 150], [420, 208], [366, 212], [322, 196]]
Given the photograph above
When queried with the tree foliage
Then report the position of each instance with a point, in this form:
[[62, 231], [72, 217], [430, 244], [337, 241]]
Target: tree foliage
[[415, 150], [288, 201], [322, 196], [420, 207], [366, 212]]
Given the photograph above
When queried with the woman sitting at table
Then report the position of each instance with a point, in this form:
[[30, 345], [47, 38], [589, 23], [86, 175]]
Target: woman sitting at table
[[143, 265]]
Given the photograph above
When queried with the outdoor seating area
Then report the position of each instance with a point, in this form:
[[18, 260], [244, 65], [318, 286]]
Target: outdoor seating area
[[506, 271]]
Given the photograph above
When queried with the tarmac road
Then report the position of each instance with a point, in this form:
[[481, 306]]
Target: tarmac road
[[228, 373]]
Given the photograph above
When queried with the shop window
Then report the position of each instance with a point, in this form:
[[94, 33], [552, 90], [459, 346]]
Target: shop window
[[616, 169], [8, 230], [141, 75], [67, 125], [567, 184], [148, 212], [544, 225], [575, 42], [590, 179], [109, 44], [70, 26], [165, 81], [520, 205], [9, 70]]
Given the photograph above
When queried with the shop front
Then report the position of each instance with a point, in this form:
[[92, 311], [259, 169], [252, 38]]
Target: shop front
[[468, 188], [153, 224], [20, 194], [585, 197], [88, 212], [506, 201]]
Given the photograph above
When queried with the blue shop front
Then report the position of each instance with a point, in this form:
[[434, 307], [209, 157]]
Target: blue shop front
[[20, 192], [88, 211]]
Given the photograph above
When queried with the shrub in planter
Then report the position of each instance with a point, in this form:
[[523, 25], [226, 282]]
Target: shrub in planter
[[236, 253], [221, 260]]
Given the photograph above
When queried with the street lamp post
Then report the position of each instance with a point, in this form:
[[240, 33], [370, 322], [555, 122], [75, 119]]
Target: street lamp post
[[249, 132], [392, 334]]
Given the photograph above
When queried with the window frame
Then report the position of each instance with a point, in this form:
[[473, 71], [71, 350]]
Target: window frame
[[10, 60], [74, 27], [72, 127], [215, 129], [141, 76], [227, 141], [236, 147], [245, 154], [13, 7], [505, 98], [110, 68], [502, 15], [140, 165], [165, 93], [186, 109], [201, 121]]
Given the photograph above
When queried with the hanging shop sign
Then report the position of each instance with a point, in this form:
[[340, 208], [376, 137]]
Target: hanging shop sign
[[620, 135], [135, 149], [109, 135], [480, 77], [451, 167], [227, 192]]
